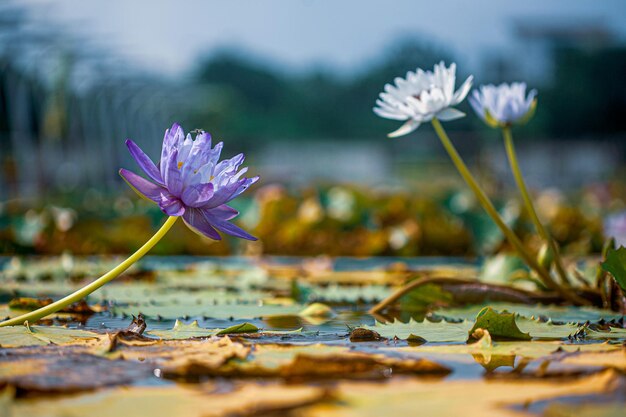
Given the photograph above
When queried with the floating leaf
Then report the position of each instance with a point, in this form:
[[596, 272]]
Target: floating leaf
[[314, 361], [66, 370], [555, 313], [182, 331], [239, 328], [527, 349], [317, 310], [462, 397], [610, 334], [235, 311], [545, 330], [334, 293], [175, 400], [430, 331], [501, 325], [18, 336]]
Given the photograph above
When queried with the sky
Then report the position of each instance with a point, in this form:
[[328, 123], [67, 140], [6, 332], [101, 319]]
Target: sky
[[167, 37]]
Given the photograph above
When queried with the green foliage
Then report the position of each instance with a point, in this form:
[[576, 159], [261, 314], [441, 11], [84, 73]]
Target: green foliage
[[615, 263], [501, 325], [423, 297], [502, 269], [278, 105]]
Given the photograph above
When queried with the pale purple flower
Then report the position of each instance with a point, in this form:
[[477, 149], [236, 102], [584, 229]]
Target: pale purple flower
[[615, 227], [191, 182], [422, 96], [503, 105]]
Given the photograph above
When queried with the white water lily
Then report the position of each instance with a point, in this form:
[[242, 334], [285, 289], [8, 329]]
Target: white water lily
[[505, 104], [422, 96]]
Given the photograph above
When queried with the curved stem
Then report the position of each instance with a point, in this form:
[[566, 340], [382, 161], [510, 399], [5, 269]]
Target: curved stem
[[530, 208], [40, 313], [526, 296], [493, 213], [411, 286]]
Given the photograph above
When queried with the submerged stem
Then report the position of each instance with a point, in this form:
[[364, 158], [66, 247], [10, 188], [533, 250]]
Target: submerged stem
[[528, 202], [42, 312], [543, 274]]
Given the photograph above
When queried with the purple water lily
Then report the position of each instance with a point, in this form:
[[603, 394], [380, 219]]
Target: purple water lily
[[190, 182]]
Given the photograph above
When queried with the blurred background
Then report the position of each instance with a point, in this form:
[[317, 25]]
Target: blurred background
[[292, 84]]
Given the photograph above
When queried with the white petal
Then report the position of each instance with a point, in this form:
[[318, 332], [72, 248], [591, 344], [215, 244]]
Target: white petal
[[450, 113], [405, 129], [390, 115], [460, 94]]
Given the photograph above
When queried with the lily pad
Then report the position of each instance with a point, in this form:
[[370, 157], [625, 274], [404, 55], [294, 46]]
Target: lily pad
[[430, 331], [186, 331], [175, 400], [235, 311], [501, 325], [610, 334], [555, 313], [18, 336]]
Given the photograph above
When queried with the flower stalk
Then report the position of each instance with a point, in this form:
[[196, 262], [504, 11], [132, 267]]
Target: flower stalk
[[543, 274], [78, 295], [530, 208]]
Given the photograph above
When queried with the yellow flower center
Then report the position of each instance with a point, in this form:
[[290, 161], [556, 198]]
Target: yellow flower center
[[180, 164]]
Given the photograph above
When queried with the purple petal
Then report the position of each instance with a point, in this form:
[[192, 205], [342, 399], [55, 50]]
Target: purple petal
[[197, 222], [171, 140], [228, 165], [224, 194], [172, 174], [247, 182], [143, 187], [199, 153], [197, 195], [224, 212], [172, 206], [226, 227], [144, 162]]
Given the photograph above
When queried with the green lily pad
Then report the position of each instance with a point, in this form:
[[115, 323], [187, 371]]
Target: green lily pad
[[501, 325], [239, 328], [427, 330], [19, 336], [317, 310], [524, 348], [611, 334], [236, 311], [187, 331], [554, 313], [546, 330]]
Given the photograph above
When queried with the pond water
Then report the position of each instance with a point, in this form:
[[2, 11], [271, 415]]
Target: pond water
[[199, 294]]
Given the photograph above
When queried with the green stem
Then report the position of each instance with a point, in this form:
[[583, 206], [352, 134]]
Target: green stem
[[493, 213], [42, 312], [528, 202]]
